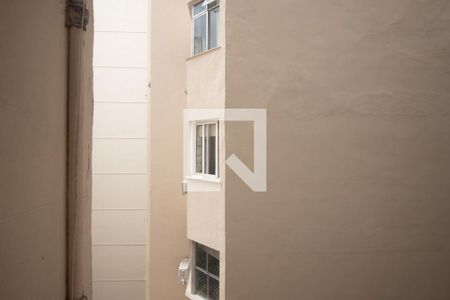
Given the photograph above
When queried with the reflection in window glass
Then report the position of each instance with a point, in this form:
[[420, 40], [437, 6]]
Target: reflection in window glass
[[205, 148], [200, 258], [213, 28], [206, 276], [213, 265], [201, 284], [210, 155], [213, 288], [200, 34], [198, 8], [205, 22], [199, 149]]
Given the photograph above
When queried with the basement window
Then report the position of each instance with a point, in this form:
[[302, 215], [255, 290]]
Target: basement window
[[205, 149], [206, 272], [205, 26]]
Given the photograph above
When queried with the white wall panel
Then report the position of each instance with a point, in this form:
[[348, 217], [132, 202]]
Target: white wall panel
[[120, 84], [118, 262], [121, 15], [120, 179], [119, 191], [118, 227], [117, 49], [119, 290], [119, 156], [120, 120]]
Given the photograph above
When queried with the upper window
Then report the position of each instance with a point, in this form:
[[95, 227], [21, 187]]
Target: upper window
[[206, 148], [206, 272], [205, 24]]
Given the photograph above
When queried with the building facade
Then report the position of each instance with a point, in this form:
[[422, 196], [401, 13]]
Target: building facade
[[358, 149], [356, 98]]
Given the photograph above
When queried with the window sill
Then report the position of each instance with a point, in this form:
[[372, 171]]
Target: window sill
[[203, 184], [194, 297], [203, 53], [188, 294], [201, 178]]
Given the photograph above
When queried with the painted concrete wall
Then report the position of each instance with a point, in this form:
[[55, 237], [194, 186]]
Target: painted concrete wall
[[206, 89], [120, 167], [357, 96], [170, 46], [33, 109]]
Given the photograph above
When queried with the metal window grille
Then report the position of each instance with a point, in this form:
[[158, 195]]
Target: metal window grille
[[207, 270]]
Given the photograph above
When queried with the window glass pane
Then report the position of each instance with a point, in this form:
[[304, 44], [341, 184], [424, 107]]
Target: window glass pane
[[213, 28], [213, 265], [200, 34], [206, 272], [199, 149], [201, 285], [210, 156], [212, 4], [213, 285], [198, 8], [200, 258]]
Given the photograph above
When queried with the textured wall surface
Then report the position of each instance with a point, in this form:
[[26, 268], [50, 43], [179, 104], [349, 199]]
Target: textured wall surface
[[33, 98], [206, 89], [206, 210], [358, 201], [170, 33]]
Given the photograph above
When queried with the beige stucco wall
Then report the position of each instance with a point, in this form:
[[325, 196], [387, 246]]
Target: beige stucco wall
[[357, 98], [206, 89], [33, 96], [168, 243], [206, 210]]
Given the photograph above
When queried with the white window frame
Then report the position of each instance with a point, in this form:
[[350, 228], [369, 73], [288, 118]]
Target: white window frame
[[193, 169], [195, 16], [195, 269]]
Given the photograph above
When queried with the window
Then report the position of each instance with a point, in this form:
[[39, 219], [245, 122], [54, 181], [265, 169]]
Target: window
[[206, 148], [205, 24], [206, 272]]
